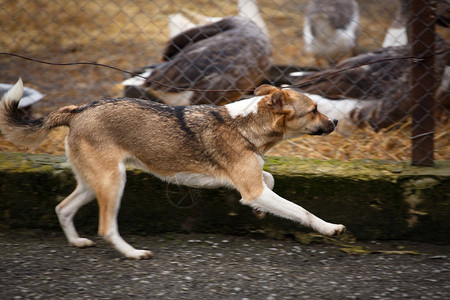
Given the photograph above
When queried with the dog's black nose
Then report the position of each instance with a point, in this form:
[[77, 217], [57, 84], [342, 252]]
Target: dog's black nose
[[335, 122]]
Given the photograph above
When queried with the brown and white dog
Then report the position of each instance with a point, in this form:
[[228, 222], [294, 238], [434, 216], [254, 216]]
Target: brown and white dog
[[199, 146]]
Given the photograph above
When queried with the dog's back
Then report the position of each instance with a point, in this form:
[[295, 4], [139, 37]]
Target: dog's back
[[166, 139]]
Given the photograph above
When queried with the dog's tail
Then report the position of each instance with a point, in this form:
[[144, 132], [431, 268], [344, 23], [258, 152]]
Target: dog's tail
[[26, 132]]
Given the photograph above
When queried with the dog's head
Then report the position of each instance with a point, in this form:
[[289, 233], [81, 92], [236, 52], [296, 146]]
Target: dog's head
[[297, 112]]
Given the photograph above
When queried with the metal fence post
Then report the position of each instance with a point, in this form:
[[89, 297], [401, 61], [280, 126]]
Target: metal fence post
[[423, 83]]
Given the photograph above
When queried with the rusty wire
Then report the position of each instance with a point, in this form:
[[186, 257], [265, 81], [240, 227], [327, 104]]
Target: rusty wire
[[227, 90]]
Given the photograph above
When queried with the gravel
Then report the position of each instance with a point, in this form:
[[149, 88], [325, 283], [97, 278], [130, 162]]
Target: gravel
[[43, 266]]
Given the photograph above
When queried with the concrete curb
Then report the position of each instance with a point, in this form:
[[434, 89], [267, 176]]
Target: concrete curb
[[374, 199]]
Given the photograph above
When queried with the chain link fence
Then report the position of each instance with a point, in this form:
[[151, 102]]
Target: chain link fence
[[353, 59]]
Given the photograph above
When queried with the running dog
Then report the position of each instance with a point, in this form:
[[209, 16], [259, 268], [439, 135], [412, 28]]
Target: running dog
[[199, 146]]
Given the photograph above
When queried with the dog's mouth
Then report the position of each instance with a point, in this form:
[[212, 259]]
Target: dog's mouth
[[320, 132], [331, 126]]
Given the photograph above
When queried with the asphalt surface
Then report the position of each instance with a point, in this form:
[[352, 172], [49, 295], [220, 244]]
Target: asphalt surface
[[43, 266]]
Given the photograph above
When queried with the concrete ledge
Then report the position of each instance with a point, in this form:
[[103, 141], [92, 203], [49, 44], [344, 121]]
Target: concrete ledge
[[374, 199]]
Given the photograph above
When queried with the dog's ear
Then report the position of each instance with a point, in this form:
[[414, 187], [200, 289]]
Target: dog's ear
[[265, 89], [277, 100], [280, 103]]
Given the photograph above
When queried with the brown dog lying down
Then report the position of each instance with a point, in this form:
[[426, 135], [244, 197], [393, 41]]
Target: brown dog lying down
[[199, 146]]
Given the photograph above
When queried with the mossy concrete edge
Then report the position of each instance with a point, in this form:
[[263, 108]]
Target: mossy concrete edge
[[374, 199]]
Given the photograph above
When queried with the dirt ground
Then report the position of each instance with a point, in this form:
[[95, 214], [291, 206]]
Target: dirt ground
[[130, 34], [42, 266]]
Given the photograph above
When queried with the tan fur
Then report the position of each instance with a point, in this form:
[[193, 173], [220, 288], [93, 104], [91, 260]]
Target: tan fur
[[194, 145]]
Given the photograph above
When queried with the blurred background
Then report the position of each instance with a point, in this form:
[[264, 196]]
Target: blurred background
[[344, 54]]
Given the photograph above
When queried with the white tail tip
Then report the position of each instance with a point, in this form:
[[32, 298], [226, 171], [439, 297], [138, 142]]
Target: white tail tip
[[15, 93]]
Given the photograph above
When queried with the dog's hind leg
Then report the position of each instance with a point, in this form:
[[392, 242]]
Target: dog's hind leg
[[67, 209], [109, 190]]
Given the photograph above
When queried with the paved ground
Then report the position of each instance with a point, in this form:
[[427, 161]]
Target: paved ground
[[42, 266]]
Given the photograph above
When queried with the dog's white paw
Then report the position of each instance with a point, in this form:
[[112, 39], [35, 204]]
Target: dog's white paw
[[139, 254], [337, 230], [332, 229], [81, 243]]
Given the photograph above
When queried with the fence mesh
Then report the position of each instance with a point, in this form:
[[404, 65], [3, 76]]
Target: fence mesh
[[370, 98]]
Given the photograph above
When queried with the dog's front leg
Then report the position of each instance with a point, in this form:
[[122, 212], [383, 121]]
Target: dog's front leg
[[269, 201], [270, 183]]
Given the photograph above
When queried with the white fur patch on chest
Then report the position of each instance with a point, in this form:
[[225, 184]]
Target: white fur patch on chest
[[244, 107]]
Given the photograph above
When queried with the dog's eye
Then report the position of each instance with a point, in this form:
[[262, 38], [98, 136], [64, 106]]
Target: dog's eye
[[314, 111]]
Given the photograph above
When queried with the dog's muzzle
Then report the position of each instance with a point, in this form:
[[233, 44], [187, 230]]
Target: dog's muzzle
[[326, 129]]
